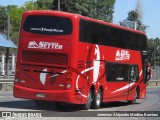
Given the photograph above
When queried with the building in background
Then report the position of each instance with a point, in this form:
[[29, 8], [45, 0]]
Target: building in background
[[7, 66], [11, 65]]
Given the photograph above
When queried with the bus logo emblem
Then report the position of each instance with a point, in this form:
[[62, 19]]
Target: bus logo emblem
[[122, 55], [32, 44], [44, 45]]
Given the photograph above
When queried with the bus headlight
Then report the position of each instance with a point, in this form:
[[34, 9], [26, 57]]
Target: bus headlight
[[69, 74]]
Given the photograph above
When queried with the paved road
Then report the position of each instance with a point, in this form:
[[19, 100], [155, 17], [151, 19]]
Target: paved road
[[150, 103]]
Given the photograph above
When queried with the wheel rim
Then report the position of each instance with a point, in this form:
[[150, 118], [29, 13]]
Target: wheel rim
[[98, 100]]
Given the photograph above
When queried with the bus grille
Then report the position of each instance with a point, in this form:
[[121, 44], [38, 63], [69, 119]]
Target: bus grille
[[45, 57]]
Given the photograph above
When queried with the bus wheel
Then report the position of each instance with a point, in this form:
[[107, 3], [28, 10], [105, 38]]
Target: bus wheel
[[89, 101], [97, 101]]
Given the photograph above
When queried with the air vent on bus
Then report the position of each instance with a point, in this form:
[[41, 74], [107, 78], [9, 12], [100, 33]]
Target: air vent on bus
[[44, 57], [81, 64]]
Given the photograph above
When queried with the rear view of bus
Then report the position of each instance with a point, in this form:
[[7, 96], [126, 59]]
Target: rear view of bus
[[43, 56], [64, 57]]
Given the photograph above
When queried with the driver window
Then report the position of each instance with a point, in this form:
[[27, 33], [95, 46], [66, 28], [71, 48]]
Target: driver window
[[134, 74]]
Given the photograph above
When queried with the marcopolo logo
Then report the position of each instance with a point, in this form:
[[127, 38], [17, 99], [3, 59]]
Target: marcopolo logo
[[122, 55], [44, 45]]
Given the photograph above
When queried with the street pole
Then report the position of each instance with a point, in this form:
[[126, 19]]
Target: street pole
[[135, 25], [7, 49], [32, 4], [59, 7], [8, 27]]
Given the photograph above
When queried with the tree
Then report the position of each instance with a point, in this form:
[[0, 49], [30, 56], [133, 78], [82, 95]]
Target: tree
[[15, 17], [30, 5], [3, 20], [137, 16], [15, 14], [44, 4], [153, 51], [133, 16], [38, 5], [99, 9], [150, 51]]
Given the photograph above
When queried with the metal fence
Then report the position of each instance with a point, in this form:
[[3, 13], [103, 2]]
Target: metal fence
[[8, 68], [155, 73], [6, 82]]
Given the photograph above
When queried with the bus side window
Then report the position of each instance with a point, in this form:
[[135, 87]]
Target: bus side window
[[117, 72]]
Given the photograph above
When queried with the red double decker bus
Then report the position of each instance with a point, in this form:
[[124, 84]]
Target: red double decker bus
[[64, 57]]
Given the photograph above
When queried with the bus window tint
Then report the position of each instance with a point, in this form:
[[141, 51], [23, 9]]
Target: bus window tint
[[48, 25], [85, 31], [105, 35], [97, 33], [117, 72]]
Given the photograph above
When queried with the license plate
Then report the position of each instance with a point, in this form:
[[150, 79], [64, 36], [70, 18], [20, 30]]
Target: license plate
[[40, 95]]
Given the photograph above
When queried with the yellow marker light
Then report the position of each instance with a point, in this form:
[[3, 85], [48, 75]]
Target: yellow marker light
[[69, 74]]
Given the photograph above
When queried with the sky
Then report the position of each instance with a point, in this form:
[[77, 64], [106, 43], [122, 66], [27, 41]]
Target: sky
[[151, 18]]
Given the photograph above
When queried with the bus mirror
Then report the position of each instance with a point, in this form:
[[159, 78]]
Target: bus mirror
[[148, 72]]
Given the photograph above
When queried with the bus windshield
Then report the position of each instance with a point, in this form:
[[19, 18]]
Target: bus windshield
[[48, 25]]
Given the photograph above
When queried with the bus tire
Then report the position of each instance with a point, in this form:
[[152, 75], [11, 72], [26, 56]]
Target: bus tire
[[97, 100], [89, 101]]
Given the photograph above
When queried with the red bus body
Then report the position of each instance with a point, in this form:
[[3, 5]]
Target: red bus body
[[61, 68]]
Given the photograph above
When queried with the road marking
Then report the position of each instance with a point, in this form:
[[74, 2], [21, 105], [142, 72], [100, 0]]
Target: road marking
[[155, 89]]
